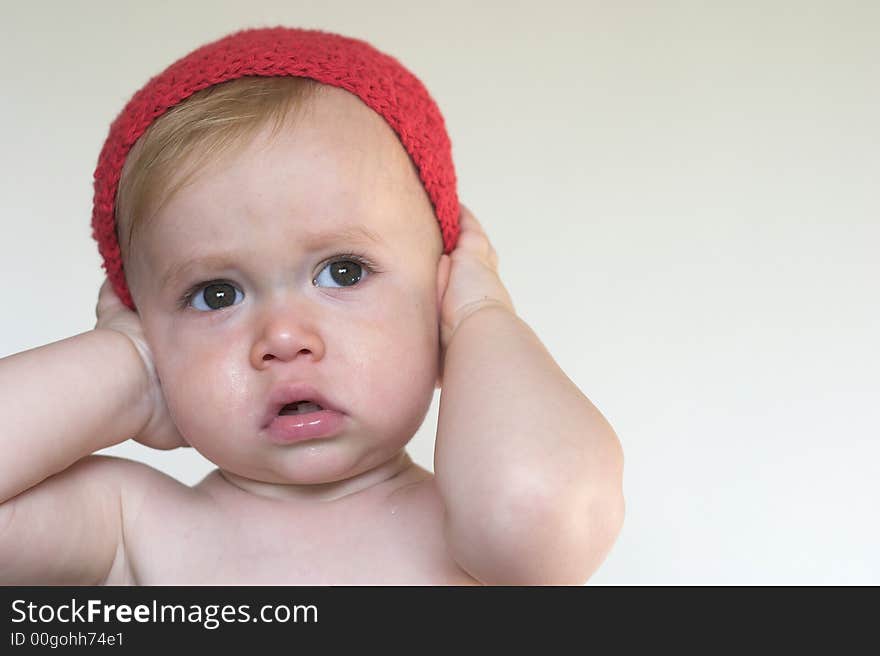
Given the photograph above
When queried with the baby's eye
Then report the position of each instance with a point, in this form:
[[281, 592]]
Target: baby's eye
[[215, 296], [345, 273]]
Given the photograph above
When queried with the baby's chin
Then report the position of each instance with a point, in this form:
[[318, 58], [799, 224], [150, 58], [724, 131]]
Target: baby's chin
[[316, 487], [314, 463]]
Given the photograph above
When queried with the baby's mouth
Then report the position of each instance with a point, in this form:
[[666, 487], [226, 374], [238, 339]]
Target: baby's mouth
[[299, 408], [296, 398]]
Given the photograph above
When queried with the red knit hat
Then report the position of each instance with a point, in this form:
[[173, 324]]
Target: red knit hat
[[351, 64]]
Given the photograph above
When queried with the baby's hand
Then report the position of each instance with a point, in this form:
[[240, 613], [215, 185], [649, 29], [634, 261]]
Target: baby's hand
[[159, 432], [473, 278]]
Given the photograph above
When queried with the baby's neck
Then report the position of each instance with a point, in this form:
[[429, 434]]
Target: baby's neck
[[323, 491]]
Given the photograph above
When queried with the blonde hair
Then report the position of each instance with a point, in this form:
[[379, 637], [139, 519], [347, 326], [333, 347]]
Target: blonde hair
[[213, 122]]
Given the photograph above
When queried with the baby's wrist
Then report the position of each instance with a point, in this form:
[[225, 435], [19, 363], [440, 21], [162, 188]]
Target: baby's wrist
[[470, 310], [137, 373]]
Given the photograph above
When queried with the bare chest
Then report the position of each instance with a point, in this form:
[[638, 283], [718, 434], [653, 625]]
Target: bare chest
[[396, 540]]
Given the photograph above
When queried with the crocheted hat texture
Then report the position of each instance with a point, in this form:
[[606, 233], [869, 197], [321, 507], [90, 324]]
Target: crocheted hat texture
[[378, 79]]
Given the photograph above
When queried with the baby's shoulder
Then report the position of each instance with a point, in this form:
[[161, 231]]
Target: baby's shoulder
[[136, 482], [161, 518], [76, 522]]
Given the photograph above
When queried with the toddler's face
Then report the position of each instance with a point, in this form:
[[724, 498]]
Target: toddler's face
[[241, 314]]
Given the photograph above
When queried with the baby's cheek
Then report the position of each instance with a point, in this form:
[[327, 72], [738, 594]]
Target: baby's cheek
[[199, 389], [407, 354], [185, 396]]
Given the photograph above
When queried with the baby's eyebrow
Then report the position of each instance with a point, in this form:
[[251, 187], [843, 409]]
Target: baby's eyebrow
[[350, 234]]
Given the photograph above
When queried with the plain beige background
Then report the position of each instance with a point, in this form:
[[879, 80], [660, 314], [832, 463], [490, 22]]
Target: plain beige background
[[684, 199]]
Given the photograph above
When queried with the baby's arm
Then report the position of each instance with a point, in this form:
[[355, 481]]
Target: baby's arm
[[529, 470], [60, 519]]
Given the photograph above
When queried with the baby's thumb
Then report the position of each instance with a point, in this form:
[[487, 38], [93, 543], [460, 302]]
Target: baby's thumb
[[107, 300]]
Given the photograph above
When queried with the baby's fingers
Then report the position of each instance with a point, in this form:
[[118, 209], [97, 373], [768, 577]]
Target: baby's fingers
[[111, 312], [474, 239], [107, 299]]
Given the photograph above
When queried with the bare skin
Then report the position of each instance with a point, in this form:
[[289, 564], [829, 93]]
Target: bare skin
[[215, 533], [350, 509], [516, 497]]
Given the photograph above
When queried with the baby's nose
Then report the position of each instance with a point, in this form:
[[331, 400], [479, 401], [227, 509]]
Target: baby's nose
[[283, 338]]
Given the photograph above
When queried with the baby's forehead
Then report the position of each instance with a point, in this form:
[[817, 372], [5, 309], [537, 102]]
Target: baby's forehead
[[351, 120], [343, 146], [334, 166]]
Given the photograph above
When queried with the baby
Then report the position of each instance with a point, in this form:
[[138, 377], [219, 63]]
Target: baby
[[295, 299]]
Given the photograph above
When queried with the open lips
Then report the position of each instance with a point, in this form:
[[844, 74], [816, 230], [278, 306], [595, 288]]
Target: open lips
[[292, 398], [300, 408]]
